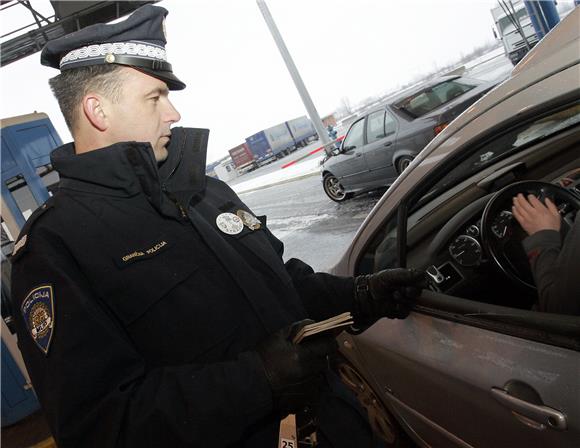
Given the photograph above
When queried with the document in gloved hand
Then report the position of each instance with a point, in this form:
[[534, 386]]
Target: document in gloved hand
[[341, 320]]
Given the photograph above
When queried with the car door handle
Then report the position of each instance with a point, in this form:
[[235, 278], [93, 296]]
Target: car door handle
[[358, 154], [539, 415], [388, 144]]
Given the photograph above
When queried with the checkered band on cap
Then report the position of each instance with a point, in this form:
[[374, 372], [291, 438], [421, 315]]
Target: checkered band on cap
[[133, 48]]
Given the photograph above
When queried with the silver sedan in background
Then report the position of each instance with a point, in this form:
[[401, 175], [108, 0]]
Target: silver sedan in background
[[382, 143]]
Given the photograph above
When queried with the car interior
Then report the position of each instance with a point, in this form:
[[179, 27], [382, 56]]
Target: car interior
[[458, 226]]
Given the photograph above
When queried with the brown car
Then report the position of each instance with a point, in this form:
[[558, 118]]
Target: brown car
[[476, 364]]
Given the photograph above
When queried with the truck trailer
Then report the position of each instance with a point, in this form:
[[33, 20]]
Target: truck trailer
[[302, 130], [244, 159], [515, 29], [282, 139], [275, 141]]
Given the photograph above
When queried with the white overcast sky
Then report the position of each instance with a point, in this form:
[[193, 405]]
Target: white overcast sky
[[237, 83]]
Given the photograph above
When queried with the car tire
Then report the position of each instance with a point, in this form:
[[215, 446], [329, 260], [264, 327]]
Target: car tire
[[383, 423], [333, 188], [402, 163]]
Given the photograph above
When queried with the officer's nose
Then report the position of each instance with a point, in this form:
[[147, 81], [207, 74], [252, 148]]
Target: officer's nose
[[173, 116]]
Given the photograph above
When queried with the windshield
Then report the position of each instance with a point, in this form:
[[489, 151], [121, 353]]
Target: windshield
[[508, 143], [431, 98]]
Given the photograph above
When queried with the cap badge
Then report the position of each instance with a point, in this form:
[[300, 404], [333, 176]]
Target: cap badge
[[109, 58], [229, 223]]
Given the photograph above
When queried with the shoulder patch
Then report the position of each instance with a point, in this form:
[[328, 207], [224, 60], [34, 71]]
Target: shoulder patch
[[20, 245], [38, 312]]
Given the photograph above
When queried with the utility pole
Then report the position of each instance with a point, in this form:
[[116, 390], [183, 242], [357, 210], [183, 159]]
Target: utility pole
[[312, 112]]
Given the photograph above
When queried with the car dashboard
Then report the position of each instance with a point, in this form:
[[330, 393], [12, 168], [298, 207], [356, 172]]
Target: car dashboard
[[456, 253]]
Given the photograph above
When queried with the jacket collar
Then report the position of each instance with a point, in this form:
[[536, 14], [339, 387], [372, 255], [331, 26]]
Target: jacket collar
[[129, 168], [183, 173]]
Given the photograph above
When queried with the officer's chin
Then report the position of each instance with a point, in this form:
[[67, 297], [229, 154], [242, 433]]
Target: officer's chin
[[161, 154]]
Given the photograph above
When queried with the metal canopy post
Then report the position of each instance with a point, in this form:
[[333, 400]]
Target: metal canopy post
[[310, 108]]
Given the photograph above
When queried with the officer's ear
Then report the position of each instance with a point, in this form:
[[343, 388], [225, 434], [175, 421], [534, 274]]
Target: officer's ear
[[94, 109]]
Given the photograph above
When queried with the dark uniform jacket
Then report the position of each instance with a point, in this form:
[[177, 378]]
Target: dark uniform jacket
[[149, 314], [556, 269]]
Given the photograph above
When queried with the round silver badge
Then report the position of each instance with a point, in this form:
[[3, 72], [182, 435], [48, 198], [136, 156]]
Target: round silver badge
[[229, 223]]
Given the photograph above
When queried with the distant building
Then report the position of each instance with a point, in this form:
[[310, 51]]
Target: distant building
[[329, 120]]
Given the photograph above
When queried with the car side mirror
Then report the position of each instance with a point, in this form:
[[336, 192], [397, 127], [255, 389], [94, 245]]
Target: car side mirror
[[332, 151]]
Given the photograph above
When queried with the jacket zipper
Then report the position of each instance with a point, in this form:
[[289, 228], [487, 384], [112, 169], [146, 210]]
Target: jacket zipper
[[176, 202], [181, 209], [164, 185]]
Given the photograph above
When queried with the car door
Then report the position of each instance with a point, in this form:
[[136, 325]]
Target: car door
[[455, 378], [349, 165], [459, 370], [457, 385], [381, 140]]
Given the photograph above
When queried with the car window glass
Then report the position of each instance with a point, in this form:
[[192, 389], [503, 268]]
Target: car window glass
[[431, 98], [355, 137], [390, 124], [381, 252], [506, 144], [376, 126], [459, 288]]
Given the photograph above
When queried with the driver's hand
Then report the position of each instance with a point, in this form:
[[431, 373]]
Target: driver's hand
[[534, 216]]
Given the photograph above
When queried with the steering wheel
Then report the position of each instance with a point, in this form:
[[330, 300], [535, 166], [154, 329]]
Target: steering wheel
[[501, 234]]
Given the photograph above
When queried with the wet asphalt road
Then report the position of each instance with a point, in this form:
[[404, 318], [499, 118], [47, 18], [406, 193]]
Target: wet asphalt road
[[311, 226]]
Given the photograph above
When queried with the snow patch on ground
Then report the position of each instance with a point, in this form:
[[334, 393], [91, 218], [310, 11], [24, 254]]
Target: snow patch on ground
[[283, 227], [304, 168]]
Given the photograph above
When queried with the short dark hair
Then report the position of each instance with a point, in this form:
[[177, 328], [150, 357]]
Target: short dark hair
[[70, 86]]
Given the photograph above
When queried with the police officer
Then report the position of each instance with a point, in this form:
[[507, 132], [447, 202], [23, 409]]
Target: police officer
[[155, 308], [331, 132]]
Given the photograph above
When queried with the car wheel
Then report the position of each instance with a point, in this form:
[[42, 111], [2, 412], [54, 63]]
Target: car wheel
[[382, 422], [333, 189], [402, 163]]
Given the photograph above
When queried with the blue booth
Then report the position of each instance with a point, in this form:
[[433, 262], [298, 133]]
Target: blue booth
[[27, 141]]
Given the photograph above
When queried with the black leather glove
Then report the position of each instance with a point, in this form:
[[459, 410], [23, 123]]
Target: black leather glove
[[389, 293], [295, 371]]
